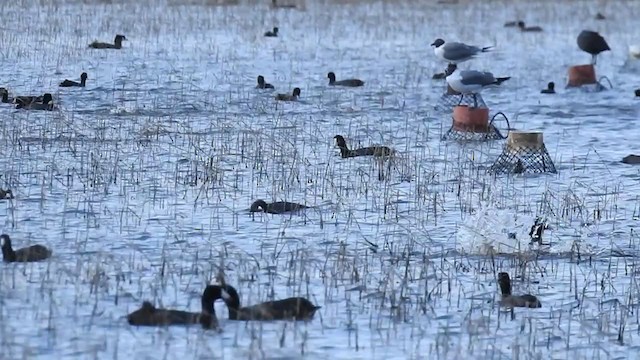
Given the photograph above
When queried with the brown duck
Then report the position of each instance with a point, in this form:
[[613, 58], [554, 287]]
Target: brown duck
[[149, 315], [293, 308], [508, 300], [29, 254]]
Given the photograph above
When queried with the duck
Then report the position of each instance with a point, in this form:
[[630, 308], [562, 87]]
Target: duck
[[287, 97], [24, 99], [511, 23], [46, 104], [347, 82], [631, 159], [637, 92], [593, 43], [262, 84], [278, 207], [117, 43], [19, 99], [508, 300], [599, 16], [273, 33], [550, 88], [32, 253], [5, 96], [293, 308], [345, 152], [6, 194], [526, 28], [149, 315], [70, 83]]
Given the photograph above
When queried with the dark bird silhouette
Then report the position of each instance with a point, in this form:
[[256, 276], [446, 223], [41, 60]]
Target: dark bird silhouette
[[509, 300], [631, 159], [346, 82], [149, 315], [262, 84], [29, 254], [593, 43], [117, 43], [526, 28], [273, 33], [71, 83], [278, 207], [19, 99], [46, 104], [287, 97], [345, 152], [550, 88], [293, 308]]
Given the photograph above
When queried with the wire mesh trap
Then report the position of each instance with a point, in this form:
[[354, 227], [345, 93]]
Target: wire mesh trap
[[524, 152], [463, 132], [449, 100]]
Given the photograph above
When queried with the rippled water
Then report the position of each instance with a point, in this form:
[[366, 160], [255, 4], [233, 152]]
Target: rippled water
[[141, 182]]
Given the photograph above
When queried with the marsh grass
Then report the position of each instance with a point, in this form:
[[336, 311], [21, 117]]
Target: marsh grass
[[141, 185]]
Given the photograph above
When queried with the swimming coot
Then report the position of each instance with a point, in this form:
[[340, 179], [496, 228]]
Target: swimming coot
[[273, 33], [526, 28], [278, 207], [293, 308], [29, 254], [117, 43], [631, 159], [509, 300], [46, 104], [346, 82], [345, 152], [149, 315], [551, 88], [287, 97], [262, 84], [71, 83]]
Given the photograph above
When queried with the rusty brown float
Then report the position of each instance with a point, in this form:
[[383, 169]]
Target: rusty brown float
[[582, 75], [471, 119]]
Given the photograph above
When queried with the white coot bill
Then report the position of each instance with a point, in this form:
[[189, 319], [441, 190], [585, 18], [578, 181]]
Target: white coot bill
[[455, 52], [472, 82]]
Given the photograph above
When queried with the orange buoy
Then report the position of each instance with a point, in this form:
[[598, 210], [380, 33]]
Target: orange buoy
[[450, 91], [582, 75], [471, 119]]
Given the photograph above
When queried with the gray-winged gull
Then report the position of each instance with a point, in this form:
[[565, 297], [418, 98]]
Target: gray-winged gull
[[472, 82], [455, 52]]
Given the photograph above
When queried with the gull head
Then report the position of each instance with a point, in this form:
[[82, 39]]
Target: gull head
[[437, 42]]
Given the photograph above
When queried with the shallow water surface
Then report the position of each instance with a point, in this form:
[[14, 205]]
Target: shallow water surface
[[141, 182]]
